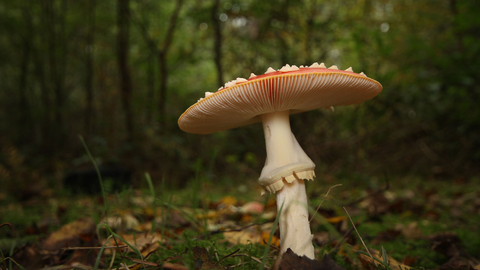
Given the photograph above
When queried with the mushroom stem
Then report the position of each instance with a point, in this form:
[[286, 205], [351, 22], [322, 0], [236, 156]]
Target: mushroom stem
[[286, 159], [293, 221], [285, 168]]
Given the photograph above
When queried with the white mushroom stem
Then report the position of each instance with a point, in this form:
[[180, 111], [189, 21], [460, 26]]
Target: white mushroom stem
[[293, 221], [286, 160], [285, 168]]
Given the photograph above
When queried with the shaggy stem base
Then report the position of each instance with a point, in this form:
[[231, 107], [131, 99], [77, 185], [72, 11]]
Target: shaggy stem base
[[293, 222]]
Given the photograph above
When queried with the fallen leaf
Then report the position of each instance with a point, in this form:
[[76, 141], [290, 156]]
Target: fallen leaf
[[449, 244], [252, 234], [457, 262], [144, 242], [30, 256], [385, 236], [410, 231], [202, 259], [70, 235], [446, 243], [79, 233], [123, 221], [407, 260], [227, 201], [366, 260]]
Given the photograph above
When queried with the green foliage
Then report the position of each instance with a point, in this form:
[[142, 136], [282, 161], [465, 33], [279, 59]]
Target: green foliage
[[425, 53]]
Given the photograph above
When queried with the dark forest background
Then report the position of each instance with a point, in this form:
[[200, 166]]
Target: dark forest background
[[120, 73]]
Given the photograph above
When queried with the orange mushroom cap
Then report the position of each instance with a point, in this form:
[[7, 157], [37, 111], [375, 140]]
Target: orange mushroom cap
[[302, 89]]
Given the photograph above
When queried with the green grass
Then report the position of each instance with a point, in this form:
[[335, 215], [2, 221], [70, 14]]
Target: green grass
[[434, 206]]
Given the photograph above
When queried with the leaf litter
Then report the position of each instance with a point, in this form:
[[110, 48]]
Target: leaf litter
[[233, 223]]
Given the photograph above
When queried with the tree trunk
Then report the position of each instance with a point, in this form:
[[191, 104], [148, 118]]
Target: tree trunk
[[161, 57], [309, 33], [123, 17], [162, 62], [217, 29], [54, 23], [25, 120], [42, 59], [89, 66], [151, 87], [285, 18], [59, 76]]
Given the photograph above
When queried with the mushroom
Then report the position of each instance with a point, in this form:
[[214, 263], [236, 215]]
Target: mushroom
[[270, 98]]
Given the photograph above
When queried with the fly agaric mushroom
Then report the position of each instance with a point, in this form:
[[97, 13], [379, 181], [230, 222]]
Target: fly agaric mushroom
[[270, 98]]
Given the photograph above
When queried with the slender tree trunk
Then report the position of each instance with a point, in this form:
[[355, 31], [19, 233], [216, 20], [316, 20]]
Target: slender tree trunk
[[217, 29], [56, 51], [45, 97], [162, 65], [151, 87], [161, 57], [458, 35], [123, 17], [89, 66], [25, 120], [309, 33], [59, 76], [162, 62], [43, 59], [283, 41]]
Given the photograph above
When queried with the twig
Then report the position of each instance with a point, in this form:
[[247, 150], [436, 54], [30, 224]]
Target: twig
[[232, 230], [171, 266], [373, 260], [271, 246], [125, 266], [140, 261], [114, 255], [81, 248], [225, 257], [246, 255], [318, 208]]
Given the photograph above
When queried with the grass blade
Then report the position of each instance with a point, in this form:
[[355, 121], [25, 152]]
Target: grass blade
[[105, 204], [267, 248], [154, 203]]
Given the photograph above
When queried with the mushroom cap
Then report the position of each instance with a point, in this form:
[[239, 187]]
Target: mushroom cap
[[302, 89]]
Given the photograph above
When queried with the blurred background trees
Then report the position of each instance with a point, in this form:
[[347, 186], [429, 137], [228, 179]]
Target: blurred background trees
[[120, 73]]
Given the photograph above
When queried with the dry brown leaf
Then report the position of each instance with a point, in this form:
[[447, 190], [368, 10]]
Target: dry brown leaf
[[71, 235], [144, 242], [79, 233], [228, 201], [366, 260], [203, 260], [30, 256], [253, 234], [122, 221], [449, 244], [410, 231], [214, 214]]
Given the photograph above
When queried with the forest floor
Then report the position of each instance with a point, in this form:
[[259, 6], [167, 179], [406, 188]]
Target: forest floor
[[405, 224]]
